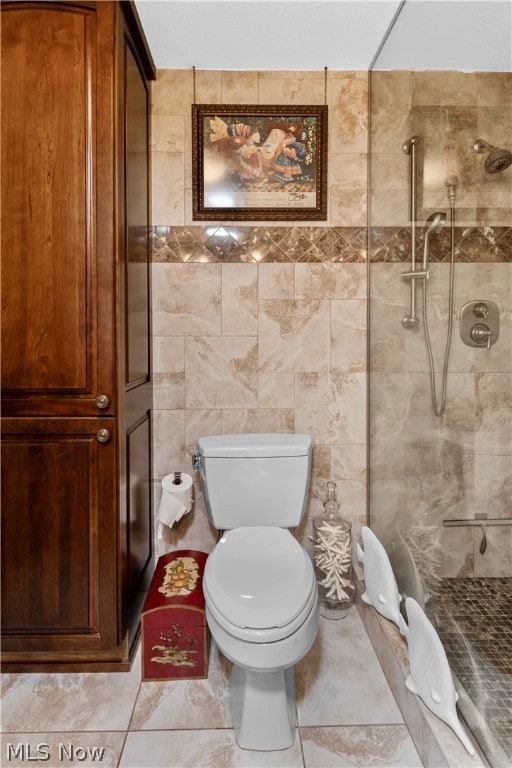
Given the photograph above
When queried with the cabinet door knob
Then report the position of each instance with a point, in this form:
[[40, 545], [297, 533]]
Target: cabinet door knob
[[103, 435], [102, 402]]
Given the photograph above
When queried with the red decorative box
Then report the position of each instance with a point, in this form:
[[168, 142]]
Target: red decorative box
[[174, 629]]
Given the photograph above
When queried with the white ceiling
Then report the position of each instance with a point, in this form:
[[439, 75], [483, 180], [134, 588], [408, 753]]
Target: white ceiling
[[468, 35], [265, 35], [338, 34]]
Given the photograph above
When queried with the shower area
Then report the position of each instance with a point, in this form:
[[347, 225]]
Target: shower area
[[440, 349]]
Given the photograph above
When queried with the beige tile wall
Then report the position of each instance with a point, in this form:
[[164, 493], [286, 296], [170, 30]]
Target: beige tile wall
[[241, 347], [263, 347], [426, 469], [275, 337], [449, 111], [347, 99]]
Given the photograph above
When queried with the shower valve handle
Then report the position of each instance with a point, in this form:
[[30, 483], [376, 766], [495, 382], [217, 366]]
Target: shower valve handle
[[481, 310], [481, 334]]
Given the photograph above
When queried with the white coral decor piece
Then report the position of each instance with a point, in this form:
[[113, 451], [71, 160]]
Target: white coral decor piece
[[333, 557]]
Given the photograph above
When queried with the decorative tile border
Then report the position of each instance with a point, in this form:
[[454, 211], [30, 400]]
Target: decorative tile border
[[254, 244], [472, 244]]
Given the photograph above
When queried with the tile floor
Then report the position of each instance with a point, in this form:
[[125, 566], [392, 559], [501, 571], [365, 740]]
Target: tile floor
[[346, 714]]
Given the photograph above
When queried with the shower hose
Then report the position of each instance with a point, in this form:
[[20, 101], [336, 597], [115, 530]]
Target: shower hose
[[439, 409]]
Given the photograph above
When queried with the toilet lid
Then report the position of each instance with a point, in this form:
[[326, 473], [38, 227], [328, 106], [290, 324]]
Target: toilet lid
[[259, 577]]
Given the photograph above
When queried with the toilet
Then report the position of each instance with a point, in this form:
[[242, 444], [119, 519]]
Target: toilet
[[259, 585]]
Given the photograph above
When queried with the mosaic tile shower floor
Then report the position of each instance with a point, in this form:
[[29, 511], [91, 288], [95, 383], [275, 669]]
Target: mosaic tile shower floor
[[473, 617]]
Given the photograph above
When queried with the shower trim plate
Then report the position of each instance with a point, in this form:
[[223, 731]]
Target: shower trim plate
[[480, 323]]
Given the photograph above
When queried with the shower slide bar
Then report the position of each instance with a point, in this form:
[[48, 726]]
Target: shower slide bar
[[485, 521], [409, 148]]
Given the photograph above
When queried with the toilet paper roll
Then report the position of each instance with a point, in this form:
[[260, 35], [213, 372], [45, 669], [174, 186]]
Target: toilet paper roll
[[176, 500]]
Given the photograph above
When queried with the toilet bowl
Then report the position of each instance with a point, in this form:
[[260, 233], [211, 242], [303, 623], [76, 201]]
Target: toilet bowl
[[259, 584], [262, 612]]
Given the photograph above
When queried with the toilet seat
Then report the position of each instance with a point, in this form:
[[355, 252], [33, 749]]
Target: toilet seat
[[259, 583]]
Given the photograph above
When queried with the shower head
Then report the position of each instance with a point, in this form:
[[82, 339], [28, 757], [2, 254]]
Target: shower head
[[497, 159], [434, 223]]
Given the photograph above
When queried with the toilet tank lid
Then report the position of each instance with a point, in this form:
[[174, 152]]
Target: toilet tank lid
[[254, 445]]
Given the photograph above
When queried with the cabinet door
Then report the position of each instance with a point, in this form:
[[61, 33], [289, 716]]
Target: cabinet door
[[56, 272], [58, 560], [135, 368]]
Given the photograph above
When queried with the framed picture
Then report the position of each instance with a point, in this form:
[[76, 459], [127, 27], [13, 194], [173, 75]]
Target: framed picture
[[257, 162]]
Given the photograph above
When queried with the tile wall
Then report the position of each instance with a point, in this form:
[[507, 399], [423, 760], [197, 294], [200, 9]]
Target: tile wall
[[459, 465], [260, 327]]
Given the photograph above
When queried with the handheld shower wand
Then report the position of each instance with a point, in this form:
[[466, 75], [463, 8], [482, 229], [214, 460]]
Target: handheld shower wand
[[434, 223]]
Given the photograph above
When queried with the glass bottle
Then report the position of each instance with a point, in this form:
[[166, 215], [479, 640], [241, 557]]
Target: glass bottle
[[332, 559]]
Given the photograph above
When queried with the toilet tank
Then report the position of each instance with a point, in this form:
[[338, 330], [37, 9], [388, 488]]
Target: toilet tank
[[259, 479]]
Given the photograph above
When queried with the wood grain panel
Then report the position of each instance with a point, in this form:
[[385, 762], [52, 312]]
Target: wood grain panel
[[76, 512], [135, 465], [137, 223], [46, 197], [139, 528], [48, 526]]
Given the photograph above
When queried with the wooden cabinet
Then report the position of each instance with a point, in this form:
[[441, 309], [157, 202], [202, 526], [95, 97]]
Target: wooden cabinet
[[76, 374]]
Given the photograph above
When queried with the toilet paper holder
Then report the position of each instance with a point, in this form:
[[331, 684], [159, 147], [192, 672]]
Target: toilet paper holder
[[196, 461], [177, 478]]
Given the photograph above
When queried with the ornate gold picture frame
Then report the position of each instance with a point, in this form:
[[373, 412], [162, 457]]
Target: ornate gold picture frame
[[256, 162]]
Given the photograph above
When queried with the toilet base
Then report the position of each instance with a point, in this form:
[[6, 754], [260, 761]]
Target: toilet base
[[263, 708]]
